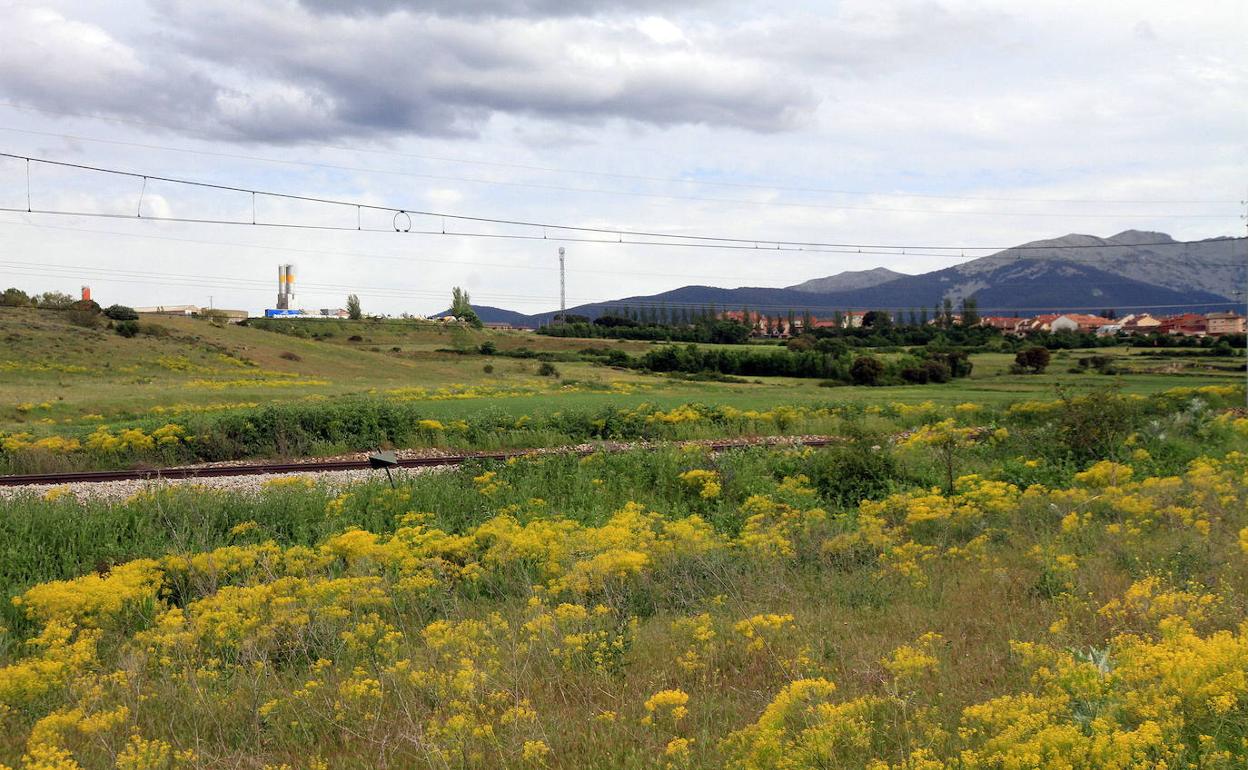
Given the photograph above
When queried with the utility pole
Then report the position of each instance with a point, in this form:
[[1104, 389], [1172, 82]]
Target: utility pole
[[1244, 216], [563, 304]]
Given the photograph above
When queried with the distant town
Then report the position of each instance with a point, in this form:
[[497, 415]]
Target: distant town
[[1186, 324]]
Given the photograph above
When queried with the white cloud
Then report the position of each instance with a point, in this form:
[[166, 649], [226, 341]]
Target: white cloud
[[1107, 100]]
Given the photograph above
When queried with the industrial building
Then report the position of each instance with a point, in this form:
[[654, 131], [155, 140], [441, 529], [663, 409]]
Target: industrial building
[[233, 316]]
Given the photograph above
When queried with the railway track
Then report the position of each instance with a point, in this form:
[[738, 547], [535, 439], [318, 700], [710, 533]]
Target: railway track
[[318, 466]]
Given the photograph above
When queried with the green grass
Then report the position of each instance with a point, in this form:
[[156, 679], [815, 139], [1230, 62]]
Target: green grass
[[466, 616], [59, 379]]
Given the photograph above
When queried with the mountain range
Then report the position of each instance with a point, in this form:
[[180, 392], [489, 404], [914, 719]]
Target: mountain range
[[1132, 270]]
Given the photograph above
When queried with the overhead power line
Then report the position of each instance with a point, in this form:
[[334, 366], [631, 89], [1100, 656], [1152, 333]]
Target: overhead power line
[[1086, 260], [598, 191], [402, 221], [557, 170]]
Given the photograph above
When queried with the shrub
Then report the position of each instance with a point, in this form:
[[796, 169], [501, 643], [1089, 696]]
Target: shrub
[[957, 362], [547, 369], [1033, 359], [83, 318], [937, 371], [14, 297], [488, 368], [355, 338], [487, 348], [1096, 425], [846, 475], [127, 328], [121, 313], [54, 300], [291, 356], [917, 375], [866, 370]]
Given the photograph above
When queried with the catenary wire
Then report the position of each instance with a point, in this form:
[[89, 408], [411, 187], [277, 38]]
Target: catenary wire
[[1086, 260], [618, 232], [605, 174], [597, 191]]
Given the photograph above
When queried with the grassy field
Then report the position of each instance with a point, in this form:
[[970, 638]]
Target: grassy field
[[60, 383], [1074, 598]]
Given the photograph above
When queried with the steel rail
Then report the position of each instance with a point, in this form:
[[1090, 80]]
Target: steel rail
[[320, 466]]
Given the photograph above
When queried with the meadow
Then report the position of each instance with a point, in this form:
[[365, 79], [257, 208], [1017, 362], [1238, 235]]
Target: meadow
[[190, 391], [1053, 582]]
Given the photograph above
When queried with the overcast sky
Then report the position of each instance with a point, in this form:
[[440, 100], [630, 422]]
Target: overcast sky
[[940, 122]]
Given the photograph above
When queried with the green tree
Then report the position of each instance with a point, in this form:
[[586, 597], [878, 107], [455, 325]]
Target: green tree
[[461, 308], [1033, 359], [866, 370], [14, 297], [877, 319], [121, 313], [353, 307], [54, 300], [970, 312]]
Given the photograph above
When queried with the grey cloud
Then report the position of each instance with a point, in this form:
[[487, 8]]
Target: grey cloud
[[278, 73], [57, 63], [514, 8], [875, 40]]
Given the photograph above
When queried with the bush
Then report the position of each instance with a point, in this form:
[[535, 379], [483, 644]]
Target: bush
[[866, 370], [1033, 359], [488, 368], [1096, 426], [956, 362], [54, 300], [1102, 364], [121, 313], [355, 338], [148, 329], [937, 371], [13, 297], [291, 356], [83, 318], [547, 369], [127, 328], [487, 348], [917, 375], [847, 475]]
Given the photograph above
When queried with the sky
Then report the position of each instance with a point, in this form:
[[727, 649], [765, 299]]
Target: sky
[[957, 123]]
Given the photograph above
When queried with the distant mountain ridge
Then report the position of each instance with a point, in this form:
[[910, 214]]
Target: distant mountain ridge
[[494, 315], [848, 280], [1211, 265], [1134, 269]]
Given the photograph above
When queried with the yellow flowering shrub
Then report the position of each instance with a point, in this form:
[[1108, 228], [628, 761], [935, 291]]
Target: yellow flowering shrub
[[705, 482], [520, 636], [666, 707]]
